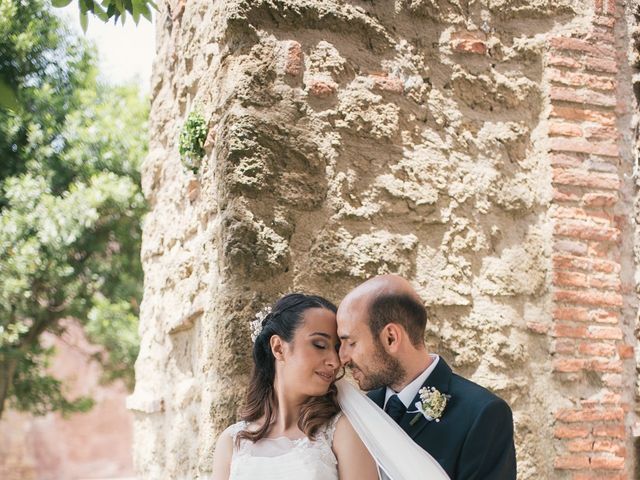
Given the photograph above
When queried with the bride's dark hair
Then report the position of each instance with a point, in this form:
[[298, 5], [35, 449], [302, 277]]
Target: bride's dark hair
[[261, 401]]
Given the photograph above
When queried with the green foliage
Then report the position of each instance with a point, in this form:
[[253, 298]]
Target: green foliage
[[39, 394], [191, 141], [70, 207], [111, 9], [105, 10]]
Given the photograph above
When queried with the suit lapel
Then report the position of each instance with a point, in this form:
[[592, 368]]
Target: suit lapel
[[377, 396], [439, 379]]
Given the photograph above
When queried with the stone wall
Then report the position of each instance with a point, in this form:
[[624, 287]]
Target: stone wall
[[480, 148]]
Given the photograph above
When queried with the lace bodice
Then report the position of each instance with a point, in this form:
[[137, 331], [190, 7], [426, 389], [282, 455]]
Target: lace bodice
[[284, 459]]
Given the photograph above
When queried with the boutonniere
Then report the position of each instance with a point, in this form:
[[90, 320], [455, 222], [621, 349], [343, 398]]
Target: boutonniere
[[431, 405]]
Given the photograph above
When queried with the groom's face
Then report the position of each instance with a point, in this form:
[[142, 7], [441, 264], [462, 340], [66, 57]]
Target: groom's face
[[363, 354]]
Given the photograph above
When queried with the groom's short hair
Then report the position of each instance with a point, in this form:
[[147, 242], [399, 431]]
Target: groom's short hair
[[402, 309]]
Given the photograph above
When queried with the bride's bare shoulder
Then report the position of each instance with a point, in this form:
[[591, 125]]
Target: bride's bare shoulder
[[222, 454], [354, 461], [344, 434]]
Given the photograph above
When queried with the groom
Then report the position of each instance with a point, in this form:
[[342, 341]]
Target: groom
[[381, 325]]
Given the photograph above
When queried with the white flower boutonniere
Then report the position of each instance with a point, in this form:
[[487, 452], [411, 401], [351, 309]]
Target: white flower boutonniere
[[431, 405]]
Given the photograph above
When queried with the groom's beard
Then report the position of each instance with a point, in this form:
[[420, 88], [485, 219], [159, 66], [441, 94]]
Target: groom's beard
[[381, 371]]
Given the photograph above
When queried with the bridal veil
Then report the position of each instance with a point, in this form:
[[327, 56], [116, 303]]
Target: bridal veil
[[396, 454]]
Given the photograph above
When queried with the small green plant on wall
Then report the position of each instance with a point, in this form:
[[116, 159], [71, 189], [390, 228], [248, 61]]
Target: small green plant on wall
[[191, 142]]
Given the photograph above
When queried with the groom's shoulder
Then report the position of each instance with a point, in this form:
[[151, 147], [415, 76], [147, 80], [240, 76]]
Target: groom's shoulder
[[473, 396]]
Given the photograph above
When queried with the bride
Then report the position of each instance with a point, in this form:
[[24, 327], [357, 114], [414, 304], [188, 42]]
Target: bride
[[299, 423]]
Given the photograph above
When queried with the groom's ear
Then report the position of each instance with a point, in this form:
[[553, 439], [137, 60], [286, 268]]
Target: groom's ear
[[390, 337]]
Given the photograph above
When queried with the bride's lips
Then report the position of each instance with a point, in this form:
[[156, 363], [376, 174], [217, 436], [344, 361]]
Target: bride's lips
[[327, 377]]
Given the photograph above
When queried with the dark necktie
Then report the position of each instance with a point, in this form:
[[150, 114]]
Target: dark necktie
[[395, 408]]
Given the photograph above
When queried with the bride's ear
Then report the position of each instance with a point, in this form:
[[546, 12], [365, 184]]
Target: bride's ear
[[277, 347]]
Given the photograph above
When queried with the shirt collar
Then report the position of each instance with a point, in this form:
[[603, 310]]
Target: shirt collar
[[408, 393]]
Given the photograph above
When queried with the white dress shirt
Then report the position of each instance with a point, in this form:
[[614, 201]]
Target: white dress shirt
[[408, 393]]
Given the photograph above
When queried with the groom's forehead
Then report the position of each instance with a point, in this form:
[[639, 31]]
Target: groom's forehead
[[352, 316]]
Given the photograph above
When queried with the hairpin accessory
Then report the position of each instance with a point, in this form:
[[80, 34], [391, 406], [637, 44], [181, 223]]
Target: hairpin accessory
[[257, 323]]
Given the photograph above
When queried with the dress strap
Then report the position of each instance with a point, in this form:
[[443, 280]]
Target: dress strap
[[236, 428], [330, 429]]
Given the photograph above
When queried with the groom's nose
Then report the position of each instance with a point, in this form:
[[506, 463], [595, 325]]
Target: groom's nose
[[344, 355]]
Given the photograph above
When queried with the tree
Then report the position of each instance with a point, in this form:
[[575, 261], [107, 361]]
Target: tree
[[105, 11], [70, 207], [111, 9]]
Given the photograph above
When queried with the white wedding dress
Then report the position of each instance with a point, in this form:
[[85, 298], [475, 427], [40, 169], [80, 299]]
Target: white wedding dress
[[281, 458], [395, 453]]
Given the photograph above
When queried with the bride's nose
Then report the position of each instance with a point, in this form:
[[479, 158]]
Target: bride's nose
[[333, 360]]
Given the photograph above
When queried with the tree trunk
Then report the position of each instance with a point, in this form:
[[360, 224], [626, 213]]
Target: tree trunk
[[7, 371]]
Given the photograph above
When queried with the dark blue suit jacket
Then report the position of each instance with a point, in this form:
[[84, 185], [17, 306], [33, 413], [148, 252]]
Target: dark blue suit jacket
[[474, 438]]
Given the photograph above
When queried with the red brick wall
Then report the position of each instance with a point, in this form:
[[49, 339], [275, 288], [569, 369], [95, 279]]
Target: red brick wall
[[589, 348]]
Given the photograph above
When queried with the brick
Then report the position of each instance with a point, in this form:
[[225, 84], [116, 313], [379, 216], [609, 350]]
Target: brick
[[586, 230], [599, 249], [599, 199], [609, 446], [583, 115], [598, 476], [606, 282], [604, 365], [571, 262], [562, 61], [570, 279], [589, 297], [607, 463], [569, 415], [571, 431], [575, 213], [571, 462], [469, 42], [571, 314], [294, 59], [581, 445], [601, 65], [575, 79], [582, 178], [611, 398], [602, 35], [564, 346], [564, 129], [564, 197], [613, 431], [612, 380], [569, 246], [583, 46], [601, 132], [321, 88], [597, 349], [626, 351], [582, 145], [570, 365], [604, 21], [604, 316], [604, 333], [387, 84], [603, 164], [564, 159], [583, 96], [569, 331], [538, 327]]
